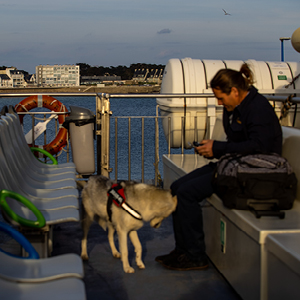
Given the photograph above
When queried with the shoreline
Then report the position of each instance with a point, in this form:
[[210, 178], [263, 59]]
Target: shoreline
[[130, 89]]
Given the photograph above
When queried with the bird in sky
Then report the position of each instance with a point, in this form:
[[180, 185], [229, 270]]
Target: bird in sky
[[226, 13]]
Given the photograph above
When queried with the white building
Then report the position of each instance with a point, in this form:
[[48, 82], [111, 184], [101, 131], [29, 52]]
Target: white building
[[14, 78], [58, 75]]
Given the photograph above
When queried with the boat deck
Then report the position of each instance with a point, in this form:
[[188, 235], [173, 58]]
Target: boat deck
[[104, 276], [105, 279]]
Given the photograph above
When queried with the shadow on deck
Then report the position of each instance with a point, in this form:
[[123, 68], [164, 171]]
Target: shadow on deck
[[105, 279]]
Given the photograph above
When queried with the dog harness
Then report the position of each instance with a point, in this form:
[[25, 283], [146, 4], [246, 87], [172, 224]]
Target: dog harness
[[116, 195]]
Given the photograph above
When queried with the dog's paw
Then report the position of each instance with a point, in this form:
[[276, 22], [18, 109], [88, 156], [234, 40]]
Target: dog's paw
[[84, 257], [129, 270], [116, 254], [141, 265]]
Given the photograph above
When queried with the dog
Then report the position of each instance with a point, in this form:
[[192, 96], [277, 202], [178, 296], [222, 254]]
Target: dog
[[146, 203]]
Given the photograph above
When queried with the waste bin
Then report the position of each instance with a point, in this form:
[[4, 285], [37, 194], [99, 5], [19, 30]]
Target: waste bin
[[81, 125]]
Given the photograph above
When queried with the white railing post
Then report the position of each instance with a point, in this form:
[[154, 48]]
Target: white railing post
[[103, 114]]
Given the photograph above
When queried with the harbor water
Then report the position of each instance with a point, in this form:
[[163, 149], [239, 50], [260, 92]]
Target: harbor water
[[121, 108]]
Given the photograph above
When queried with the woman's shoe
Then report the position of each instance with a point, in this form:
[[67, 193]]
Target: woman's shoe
[[172, 255], [184, 263]]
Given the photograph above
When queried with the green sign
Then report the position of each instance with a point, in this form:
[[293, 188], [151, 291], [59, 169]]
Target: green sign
[[282, 77]]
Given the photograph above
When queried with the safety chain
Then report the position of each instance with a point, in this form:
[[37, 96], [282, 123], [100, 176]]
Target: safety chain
[[286, 105]]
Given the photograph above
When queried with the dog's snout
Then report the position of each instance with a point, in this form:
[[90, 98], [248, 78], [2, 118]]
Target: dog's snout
[[157, 225]]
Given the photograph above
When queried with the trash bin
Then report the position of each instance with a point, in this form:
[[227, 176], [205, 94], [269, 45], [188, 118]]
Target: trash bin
[[81, 125]]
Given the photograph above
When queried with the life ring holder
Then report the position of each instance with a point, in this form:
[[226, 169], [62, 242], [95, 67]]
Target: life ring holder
[[53, 104], [38, 223]]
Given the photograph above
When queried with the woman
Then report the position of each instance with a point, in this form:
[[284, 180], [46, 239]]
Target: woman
[[251, 126]]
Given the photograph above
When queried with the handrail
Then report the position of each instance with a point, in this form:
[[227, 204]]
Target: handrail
[[103, 115], [270, 95], [3, 95]]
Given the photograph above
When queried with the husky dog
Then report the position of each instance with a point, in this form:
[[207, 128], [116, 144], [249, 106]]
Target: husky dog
[[146, 203]]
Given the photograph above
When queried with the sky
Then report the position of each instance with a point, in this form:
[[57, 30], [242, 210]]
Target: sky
[[122, 32]]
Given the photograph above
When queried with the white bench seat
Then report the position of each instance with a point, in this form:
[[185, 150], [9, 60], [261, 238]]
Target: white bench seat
[[40, 270], [236, 239], [66, 289], [283, 255]]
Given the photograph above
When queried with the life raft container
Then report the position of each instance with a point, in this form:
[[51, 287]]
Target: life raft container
[[53, 104]]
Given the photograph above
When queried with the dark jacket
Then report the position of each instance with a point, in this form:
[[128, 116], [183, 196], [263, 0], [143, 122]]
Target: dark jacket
[[254, 128]]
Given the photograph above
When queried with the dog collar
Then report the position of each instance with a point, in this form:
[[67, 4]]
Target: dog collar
[[116, 195]]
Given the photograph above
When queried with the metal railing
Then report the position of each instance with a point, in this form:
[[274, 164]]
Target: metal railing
[[103, 116]]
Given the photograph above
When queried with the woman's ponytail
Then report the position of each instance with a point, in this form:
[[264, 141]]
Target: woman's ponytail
[[226, 79]]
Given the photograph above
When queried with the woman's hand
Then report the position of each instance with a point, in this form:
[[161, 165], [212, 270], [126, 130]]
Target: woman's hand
[[205, 149]]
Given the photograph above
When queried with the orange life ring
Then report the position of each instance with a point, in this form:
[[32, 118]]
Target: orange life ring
[[54, 105]]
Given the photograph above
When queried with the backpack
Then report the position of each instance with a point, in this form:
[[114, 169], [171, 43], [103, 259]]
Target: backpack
[[262, 183]]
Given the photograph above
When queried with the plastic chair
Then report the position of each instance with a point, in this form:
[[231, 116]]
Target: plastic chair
[[31, 269], [65, 289], [26, 209], [13, 155], [20, 238], [28, 159], [44, 168], [25, 185], [36, 225]]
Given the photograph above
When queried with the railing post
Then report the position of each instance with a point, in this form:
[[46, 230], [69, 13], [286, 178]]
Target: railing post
[[156, 151], [169, 135], [116, 148], [195, 129], [143, 149], [129, 148], [182, 134], [103, 132]]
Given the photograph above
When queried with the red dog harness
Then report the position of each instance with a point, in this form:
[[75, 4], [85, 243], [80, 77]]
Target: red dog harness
[[116, 195]]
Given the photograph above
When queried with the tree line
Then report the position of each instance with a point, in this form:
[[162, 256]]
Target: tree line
[[126, 73]]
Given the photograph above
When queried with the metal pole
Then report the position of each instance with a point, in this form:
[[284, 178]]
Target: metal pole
[[156, 151], [195, 129], [282, 39], [169, 135], [103, 132], [33, 123], [129, 148], [98, 133], [116, 148], [143, 149], [182, 134]]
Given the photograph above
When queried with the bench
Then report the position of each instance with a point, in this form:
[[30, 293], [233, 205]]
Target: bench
[[235, 239]]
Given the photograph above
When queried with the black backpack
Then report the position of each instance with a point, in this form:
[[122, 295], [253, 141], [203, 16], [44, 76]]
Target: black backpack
[[262, 183]]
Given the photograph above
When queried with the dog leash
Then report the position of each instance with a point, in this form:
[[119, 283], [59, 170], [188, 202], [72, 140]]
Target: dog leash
[[116, 195]]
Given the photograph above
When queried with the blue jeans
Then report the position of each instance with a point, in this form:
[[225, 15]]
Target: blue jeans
[[187, 218]]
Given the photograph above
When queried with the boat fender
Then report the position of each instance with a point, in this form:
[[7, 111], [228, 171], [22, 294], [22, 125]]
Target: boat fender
[[53, 104], [116, 195]]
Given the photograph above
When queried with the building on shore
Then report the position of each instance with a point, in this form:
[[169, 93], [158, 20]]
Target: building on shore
[[148, 75], [94, 80], [4, 80], [58, 75], [13, 78]]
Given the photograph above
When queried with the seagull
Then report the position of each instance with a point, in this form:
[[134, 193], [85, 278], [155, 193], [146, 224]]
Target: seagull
[[226, 13]]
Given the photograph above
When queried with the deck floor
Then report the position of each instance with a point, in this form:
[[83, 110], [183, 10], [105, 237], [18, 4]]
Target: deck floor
[[104, 276], [105, 279]]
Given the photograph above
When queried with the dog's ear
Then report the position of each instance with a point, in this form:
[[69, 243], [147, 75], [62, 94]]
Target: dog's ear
[[123, 184]]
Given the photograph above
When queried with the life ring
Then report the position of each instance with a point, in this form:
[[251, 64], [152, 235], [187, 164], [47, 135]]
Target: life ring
[[53, 104]]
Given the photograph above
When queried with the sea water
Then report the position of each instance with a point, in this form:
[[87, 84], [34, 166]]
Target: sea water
[[121, 108]]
